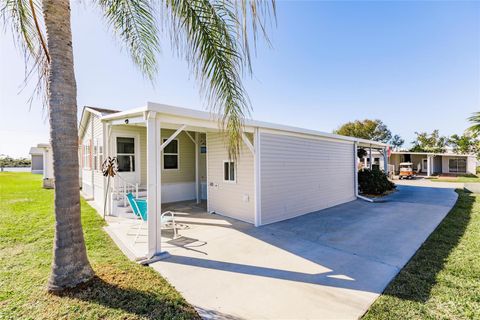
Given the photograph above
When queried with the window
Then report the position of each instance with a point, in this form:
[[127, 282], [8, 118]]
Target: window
[[457, 165], [170, 155], [203, 149], [86, 156], [100, 157], [95, 155], [126, 154], [229, 171]]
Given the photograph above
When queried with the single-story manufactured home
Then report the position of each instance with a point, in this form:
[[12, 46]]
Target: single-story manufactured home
[[429, 163], [42, 163], [425, 163], [176, 154]]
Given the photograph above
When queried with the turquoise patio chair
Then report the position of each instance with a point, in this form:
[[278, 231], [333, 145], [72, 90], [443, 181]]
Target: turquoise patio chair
[[139, 207]]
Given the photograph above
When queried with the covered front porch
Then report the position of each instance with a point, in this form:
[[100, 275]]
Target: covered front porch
[[162, 159]]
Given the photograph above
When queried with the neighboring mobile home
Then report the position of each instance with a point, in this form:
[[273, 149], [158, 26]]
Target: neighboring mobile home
[[42, 163], [178, 154], [429, 163], [36, 155]]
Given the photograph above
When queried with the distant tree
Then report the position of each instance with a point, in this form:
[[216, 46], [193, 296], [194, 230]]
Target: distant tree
[[361, 153], [7, 161], [467, 143], [429, 142], [367, 129], [396, 142]]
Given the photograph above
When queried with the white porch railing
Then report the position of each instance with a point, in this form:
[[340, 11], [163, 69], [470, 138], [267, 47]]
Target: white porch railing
[[119, 190]]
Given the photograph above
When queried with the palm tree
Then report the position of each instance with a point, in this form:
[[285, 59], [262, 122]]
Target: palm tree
[[475, 120], [212, 35]]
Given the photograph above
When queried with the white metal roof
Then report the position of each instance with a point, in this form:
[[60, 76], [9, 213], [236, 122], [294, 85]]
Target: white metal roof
[[34, 151], [203, 115]]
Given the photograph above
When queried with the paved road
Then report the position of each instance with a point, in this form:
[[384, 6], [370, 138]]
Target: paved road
[[330, 264]]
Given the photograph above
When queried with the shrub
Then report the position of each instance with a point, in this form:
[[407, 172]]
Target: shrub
[[374, 182]]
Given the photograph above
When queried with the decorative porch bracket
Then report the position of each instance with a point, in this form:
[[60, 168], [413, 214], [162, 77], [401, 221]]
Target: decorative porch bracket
[[197, 173], [248, 143], [173, 136]]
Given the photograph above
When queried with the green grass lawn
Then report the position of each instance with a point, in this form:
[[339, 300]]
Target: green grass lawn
[[467, 178], [442, 280], [121, 290]]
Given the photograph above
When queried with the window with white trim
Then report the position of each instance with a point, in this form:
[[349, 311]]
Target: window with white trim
[[86, 156], [170, 155], [95, 155], [126, 154], [457, 165], [229, 171], [100, 156]]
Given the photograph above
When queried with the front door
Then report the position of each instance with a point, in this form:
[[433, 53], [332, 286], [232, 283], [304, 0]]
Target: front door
[[424, 165]]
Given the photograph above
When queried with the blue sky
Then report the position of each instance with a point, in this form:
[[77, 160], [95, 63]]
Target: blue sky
[[414, 65]]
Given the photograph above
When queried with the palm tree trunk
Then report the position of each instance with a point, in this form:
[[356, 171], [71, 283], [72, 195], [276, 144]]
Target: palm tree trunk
[[70, 265]]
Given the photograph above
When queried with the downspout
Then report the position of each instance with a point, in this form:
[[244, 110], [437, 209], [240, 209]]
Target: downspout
[[92, 151]]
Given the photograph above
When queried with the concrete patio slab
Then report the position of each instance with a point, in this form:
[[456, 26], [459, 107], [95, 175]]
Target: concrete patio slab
[[330, 264]]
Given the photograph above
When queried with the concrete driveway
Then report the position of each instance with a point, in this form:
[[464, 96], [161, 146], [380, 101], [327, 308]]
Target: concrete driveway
[[330, 264], [422, 182]]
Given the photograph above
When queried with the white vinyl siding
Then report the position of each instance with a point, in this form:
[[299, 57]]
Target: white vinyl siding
[[234, 199], [92, 181], [300, 175], [37, 163]]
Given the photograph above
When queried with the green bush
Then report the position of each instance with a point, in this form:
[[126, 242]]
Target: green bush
[[374, 182]]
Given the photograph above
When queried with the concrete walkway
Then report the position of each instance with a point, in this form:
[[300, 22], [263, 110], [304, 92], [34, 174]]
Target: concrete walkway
[[330, 264]]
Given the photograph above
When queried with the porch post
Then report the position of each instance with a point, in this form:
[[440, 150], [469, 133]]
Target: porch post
[[197, 173], [355, 169], [256, 178], [154, 162], [385, 160], [370, 156], [429, 165]]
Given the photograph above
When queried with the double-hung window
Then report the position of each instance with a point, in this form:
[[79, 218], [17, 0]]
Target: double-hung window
[[126, 154], [86, 155], [95, 155], [229, 171], [170, 155], [100, 156]]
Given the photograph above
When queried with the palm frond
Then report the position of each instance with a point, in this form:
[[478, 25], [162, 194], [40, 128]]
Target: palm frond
[[133, 21], [254, 14], [207, 34], [22, 16], [475, 120]]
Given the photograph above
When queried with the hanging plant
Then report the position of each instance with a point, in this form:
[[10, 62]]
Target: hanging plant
[[109, 170]]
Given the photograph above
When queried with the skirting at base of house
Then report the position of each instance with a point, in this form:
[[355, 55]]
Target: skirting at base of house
[[179, 191], [48, 183]]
